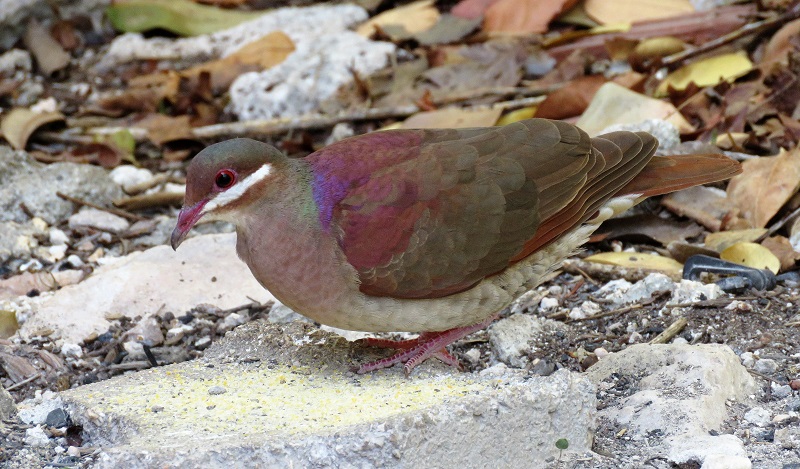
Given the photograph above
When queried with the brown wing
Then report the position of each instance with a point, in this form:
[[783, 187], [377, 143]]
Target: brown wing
[[435, 211]]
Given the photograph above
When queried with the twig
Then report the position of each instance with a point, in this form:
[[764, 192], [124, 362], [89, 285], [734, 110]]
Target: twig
[[268, 127], [24, 382], [670, 331], [777, 225], [745, 30], [142, 201], [121, 213]]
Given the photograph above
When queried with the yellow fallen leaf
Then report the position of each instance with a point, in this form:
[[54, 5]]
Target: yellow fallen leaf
[[631, 11], [752, 255], [661, 46], [18, 125], [8, 323], [707, 72], [452, 117], [721, 240], [518, 115], [414, 18], [615, 104], [638, 260]]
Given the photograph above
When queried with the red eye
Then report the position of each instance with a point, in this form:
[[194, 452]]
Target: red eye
[[225, 179]]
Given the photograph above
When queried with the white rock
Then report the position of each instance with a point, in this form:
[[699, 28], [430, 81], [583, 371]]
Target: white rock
[[232, 320], [614, 291], [689, 291], [766, 366], [135, 285], [748, 359], [788, 437], [679, 391], [128, 175], [300, 24], [74, 261], [36, 437], [648, 287], [13, 60], [547, 303], [98, 219], [758, 416], [45, 105], [56, 253], [147, 331], [511, 337], [586, 309], [74, 451], [57, 237], [34, 411], [726, 461], [780, 391], [309, 76], [72, 350]]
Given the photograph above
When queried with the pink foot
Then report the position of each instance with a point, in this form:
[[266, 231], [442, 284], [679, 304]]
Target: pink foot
[[415, 351]]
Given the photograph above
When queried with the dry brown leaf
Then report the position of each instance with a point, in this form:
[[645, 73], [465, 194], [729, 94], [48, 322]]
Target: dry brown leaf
[[650, 227], [783, 250], [780, 44], [18, 125], [452, 117], [632, 11], [258, 55], [414, 18], [145, 93], [471, 9], [523, 16], [49, 55], [572, 99], [764, 186], [162, 129], [706, 205], [707, 72], [615, 104]]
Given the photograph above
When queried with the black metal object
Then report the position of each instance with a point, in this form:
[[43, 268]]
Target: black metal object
[[760, 279]]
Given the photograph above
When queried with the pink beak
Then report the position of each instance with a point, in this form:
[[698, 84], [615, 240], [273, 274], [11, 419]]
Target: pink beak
[[186, 220]]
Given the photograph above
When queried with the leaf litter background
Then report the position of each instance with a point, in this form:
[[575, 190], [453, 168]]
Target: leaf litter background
[[724, 74]]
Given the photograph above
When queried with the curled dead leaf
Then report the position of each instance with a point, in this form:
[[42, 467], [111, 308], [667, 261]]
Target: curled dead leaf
[[18, 125], [724, 239], [783, 250], [523, 16]]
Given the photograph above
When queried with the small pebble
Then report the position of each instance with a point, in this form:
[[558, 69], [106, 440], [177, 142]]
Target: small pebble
[[766, 366], [74, 261], [58, 237], [74, 451], [758, 416], [781, 391], [216, 390], [548, 303]]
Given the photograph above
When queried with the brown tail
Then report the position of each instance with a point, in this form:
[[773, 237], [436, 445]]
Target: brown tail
[[664, 174]]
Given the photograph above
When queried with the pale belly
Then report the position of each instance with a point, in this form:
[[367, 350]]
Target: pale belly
[[322, 287]]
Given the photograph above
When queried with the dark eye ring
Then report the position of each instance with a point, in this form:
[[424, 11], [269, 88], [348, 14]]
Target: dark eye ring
[[225, 179]]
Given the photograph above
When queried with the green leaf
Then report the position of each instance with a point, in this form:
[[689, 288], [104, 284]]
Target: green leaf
[[182, 17], [562, 444]]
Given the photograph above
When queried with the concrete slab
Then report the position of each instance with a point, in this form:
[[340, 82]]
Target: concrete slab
[[271, 395]]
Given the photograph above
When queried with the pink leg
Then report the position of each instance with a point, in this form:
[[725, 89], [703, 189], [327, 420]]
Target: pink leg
[[427, 345]]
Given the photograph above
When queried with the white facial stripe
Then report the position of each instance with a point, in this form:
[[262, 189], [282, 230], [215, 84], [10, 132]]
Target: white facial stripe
[[224, 198]]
